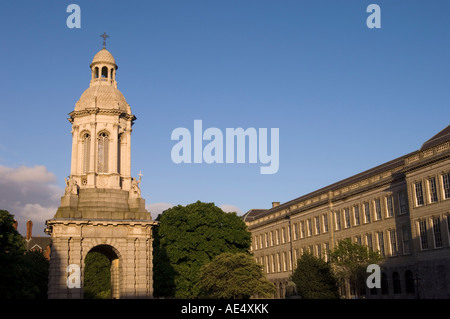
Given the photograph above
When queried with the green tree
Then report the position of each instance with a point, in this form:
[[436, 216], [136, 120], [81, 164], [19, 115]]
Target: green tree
[[233, 276], [22, 274], [350, 261], [314, 278], [11, 242], [97, 276], [190, 237]]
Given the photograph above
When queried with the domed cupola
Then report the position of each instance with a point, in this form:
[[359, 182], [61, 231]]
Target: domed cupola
[[102, 92], [103, 68]]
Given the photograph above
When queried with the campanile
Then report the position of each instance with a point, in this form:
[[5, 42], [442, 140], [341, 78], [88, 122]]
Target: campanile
[[102, 209]]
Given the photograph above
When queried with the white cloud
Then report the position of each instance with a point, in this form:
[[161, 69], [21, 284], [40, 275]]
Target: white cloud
[[228, 208], [29, 193], [157, 208]]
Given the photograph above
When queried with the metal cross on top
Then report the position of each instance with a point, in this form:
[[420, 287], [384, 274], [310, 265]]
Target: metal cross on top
[[104, 36]]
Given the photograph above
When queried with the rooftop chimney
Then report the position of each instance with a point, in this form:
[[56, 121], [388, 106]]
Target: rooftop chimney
[[275, 204], [29, 229]]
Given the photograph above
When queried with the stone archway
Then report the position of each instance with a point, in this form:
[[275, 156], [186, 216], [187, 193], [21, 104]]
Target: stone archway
[[126, 243], [114, 257]]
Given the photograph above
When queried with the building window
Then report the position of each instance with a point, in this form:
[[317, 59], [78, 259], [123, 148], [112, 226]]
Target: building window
[[277, 236], [403, 203], [309, 225], [433, 190], [396, 283], [283, 235], [446, 184], [448, 225], [325, 223], [423, 234], [302, 229], [377, 209], [356, 213], [409, 282], [437, 232], [273, 263], [381, 244], [319, 251], [419, 193], [272, 240], [103, 148], [369, 241], [406, 237], [358, 240], [317, 221], [347, 217], [327, 252], [367, 212], [393, 239], [384, 284], [289, 235], [295, 231], [390, 206], [337, 216]]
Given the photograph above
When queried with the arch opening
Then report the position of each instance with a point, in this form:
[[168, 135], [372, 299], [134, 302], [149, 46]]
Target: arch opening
[[104, 72], [101, 273]]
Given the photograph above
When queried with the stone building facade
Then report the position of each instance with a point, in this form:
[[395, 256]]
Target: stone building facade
[[400, 208], [102, 209]]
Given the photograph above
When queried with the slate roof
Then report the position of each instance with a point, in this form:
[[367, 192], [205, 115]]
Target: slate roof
[[441, 137]]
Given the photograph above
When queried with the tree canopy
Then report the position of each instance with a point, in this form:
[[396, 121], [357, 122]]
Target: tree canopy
[[350, 261], [22, 274], [314, 278], [233, 276], [97, 276], [188, 238]]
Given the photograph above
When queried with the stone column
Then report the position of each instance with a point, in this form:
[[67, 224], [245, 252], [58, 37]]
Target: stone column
[[75, 258], [114, 149], [57, 283], [75, 150], [93, 152], [115, 277]]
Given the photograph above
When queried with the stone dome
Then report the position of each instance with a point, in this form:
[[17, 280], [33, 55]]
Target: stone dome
[[102, 95], [103, 56]]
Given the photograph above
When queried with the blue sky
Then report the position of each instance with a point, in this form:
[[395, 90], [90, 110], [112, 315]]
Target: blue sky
[[345, 97]]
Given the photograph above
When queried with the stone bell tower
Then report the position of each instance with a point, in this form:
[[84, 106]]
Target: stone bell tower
[[102, 209]]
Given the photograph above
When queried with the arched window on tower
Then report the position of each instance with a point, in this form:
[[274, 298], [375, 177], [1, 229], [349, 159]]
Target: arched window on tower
[[86, 152], [96, 72], [103, 146], [104, 72], [111, 74]]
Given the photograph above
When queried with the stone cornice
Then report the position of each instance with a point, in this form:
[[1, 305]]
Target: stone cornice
[[103, 222], [96, 110], [360, 183]]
